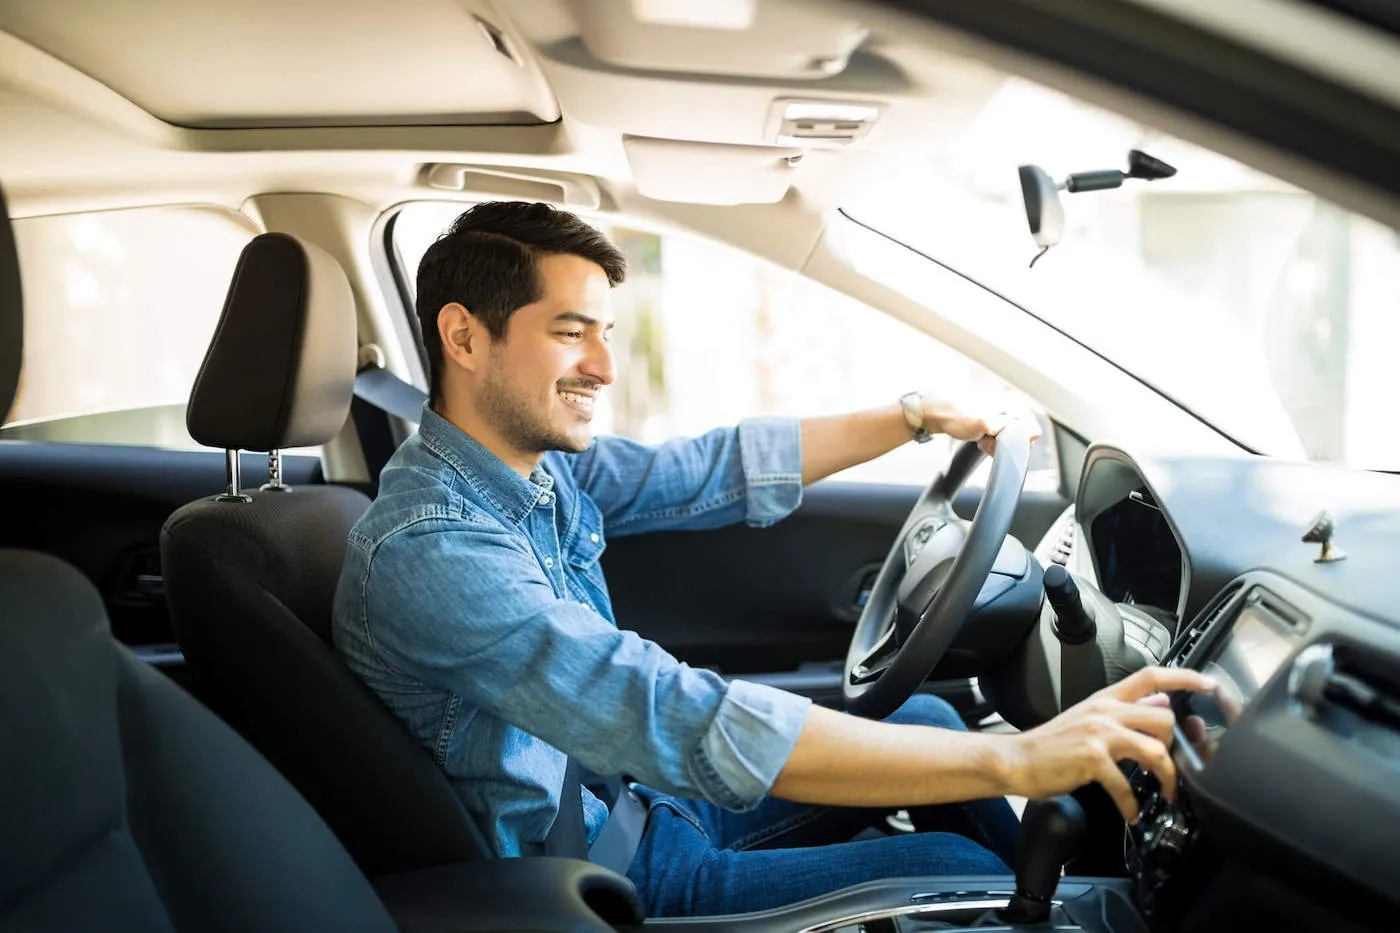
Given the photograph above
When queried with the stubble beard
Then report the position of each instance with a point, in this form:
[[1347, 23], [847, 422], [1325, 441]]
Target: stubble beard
[[506, 405]]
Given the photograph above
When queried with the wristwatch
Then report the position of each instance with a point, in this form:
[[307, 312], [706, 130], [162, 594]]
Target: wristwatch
[[913, 403]]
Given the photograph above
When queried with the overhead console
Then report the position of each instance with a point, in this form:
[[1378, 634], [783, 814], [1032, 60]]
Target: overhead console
[[745, 95]]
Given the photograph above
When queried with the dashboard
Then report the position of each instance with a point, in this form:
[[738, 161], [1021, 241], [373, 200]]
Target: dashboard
[[1288, 814]]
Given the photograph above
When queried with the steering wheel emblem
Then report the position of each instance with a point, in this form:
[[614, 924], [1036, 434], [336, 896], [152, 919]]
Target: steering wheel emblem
[[919, 536]]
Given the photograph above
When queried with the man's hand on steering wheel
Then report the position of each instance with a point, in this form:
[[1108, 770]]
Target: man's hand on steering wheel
[[962, 423], [938, 563]]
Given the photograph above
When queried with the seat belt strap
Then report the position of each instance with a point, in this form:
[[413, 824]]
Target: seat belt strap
[[567, 838], [389, 393], [617, 841]]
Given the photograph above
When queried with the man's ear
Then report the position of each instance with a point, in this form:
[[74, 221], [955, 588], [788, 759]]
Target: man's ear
[[463, 336]]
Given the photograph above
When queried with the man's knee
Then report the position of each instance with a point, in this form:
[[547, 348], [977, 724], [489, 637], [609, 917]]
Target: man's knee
[[925, 709]]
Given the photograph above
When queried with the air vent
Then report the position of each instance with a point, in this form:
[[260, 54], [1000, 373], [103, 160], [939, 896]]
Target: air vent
[[1064, 548], [1364, 684], [1192, 634]]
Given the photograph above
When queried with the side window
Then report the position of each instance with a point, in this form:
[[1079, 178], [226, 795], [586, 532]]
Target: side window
[[707, 335], [119, 310]]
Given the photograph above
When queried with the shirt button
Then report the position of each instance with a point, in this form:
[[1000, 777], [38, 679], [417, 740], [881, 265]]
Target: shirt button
[[544, 499], [549, 562], [593, 538]]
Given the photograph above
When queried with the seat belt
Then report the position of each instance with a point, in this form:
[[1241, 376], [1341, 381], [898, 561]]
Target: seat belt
[[617, 841], [567, 838], [390, 394]]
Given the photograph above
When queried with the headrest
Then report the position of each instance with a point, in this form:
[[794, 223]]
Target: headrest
[[280, 370], [11, 313]]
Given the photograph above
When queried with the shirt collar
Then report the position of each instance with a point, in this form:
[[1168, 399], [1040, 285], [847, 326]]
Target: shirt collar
[[483, 471]]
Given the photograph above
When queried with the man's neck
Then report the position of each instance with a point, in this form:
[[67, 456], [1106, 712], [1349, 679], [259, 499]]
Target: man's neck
[[470, 423]]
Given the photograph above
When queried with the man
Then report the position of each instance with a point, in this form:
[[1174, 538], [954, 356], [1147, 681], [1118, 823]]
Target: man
[[473, 602]]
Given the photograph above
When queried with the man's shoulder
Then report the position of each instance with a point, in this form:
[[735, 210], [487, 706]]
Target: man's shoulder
[[413, 498]]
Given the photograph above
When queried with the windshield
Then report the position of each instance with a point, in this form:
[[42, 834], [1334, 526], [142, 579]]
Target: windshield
[[1270, 314]]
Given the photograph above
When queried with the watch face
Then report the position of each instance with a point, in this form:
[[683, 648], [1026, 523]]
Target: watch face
[[914, 414]]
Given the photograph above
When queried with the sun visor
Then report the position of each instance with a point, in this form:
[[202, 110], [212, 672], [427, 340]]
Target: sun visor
[[709, 173], [787, 41]]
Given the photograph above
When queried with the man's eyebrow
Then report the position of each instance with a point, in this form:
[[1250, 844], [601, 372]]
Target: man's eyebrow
[[578, 317]]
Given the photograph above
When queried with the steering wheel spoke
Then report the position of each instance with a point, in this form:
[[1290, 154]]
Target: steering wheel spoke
[[931, 578], [878, 659]]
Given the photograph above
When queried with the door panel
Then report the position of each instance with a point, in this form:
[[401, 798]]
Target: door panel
[[777, 604], [101, 508]]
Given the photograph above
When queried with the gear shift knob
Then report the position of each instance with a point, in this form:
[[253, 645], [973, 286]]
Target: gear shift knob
[[1050, 833]]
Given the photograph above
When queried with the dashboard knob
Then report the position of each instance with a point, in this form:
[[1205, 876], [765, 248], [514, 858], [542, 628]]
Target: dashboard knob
[[1169, 835]]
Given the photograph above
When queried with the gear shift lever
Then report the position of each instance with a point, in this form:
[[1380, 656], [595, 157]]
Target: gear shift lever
[[1050, 832]]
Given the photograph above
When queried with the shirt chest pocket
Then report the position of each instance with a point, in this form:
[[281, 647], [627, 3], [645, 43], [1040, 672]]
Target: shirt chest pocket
[[588, 543]]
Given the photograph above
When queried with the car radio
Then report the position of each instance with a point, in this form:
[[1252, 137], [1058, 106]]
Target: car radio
[[1241, 642]]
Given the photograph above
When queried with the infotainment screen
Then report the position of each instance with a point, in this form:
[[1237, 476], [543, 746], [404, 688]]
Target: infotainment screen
[[1242, 661]]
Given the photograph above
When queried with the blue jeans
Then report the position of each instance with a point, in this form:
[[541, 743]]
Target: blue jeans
[[697, 859]]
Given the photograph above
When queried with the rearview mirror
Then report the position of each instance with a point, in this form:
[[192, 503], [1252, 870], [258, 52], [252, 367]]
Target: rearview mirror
[[1042, 195], [1043, 210]]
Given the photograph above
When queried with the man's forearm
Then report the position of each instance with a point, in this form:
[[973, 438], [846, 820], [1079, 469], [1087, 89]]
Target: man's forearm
[[833, 443], [842, 760]]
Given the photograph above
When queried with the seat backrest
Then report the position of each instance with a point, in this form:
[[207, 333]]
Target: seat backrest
[[128, 806], [124, 804], [250, 576]]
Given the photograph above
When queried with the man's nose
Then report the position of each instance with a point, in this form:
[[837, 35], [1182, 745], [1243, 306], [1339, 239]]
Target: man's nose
[[598, 362]]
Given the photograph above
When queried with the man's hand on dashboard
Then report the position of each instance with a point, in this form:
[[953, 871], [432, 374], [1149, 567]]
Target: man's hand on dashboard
[[973, 423], [1127, 720]]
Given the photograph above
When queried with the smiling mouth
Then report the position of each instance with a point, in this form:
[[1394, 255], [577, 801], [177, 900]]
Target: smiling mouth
[[580, 402]]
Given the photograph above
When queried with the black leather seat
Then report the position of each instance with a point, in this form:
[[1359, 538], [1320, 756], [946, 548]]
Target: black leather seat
[[126, 805], [250, 575]]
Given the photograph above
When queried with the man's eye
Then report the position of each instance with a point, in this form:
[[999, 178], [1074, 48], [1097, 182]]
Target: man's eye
[[572, 334]]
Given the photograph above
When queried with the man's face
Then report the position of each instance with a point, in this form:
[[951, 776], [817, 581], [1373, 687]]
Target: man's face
[[539, 383]]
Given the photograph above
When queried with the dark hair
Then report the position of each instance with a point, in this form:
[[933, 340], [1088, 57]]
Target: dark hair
[[488, 260]]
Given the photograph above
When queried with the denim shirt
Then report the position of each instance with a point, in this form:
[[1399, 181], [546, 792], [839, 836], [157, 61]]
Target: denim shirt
[[473, 603]]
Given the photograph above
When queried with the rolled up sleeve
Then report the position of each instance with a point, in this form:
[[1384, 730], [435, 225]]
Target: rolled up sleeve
[[748, 743], [771, 449], [484, 624]]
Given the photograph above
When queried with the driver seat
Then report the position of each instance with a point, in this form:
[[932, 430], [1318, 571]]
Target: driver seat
[[251, 574]]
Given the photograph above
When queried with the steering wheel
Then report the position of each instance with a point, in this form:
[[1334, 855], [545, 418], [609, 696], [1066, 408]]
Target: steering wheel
[[931, 578]]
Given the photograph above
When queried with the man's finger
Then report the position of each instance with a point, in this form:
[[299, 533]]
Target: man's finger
[[1111, 778], [1149, 719], [1152, 680], [1149, 753], [1194, 728]]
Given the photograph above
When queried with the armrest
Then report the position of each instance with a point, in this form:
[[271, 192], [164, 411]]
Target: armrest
[[548, 895]]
